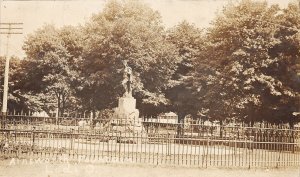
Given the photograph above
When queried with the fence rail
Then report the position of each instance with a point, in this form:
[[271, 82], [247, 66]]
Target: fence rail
[[173, 144]]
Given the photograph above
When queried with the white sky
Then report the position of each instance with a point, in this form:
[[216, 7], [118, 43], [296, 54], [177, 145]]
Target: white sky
[[36, 13]]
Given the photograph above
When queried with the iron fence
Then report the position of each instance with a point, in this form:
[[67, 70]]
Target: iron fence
[[153, 143]]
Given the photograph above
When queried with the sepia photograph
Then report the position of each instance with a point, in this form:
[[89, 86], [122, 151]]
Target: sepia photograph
[[150, 88]]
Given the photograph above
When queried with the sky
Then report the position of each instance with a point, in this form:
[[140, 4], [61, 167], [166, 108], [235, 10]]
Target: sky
[[34, 14]]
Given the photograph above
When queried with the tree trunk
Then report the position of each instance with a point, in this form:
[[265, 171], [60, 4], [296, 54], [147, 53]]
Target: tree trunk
[[58, 104], [63, 100], [221, 128]]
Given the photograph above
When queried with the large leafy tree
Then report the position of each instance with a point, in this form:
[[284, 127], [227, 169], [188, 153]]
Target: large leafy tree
[[16, 100], [133, 32], [241, 78], [287, 65], [188, 40], [51, 66]]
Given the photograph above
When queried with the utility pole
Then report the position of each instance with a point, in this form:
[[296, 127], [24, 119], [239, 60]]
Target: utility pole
[[8, 29]]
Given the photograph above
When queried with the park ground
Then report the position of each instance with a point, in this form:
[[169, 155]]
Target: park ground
[[7, 169]]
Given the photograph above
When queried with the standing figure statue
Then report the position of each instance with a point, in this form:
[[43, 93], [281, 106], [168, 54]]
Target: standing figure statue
[[127, 79]]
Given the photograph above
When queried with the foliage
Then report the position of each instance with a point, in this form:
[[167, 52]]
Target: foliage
[[188, 40], [126, 31], [15, 99], [243, 80], [51, 65], [245, 66]]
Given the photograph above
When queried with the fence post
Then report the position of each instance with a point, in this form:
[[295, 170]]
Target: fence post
[[293, 141], [279, 140], [72, 138], [235, 144], [207, 146], [33, 140], [168, 145], [251, 150]]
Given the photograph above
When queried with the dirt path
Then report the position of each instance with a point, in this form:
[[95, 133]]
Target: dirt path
[[21, 169]]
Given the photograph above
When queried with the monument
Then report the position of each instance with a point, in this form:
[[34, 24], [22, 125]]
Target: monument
[[126, 116]]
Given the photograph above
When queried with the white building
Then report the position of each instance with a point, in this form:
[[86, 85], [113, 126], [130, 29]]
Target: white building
[[168, 118]]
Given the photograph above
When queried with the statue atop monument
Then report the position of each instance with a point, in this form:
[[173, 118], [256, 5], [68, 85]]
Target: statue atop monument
[[126, 114], [127, 81]]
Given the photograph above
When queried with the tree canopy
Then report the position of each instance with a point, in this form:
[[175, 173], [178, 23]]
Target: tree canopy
[[51, 65], [133, 32], [245, 66], [244, 59]]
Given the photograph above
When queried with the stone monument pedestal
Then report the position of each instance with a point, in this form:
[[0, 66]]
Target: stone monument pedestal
[[126, 120], [126, 108]]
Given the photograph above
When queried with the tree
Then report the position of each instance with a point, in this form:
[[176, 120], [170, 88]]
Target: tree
[[126, 31], [287, 67], [51, 65], [188, 40], [241, 74], [14, 99]]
